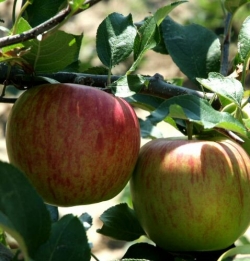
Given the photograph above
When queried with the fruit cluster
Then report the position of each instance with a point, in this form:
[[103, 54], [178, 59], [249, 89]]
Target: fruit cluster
[[79, 145]]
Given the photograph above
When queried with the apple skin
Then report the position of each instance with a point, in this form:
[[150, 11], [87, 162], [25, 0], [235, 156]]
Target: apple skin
[[192, 195], [76, 144]]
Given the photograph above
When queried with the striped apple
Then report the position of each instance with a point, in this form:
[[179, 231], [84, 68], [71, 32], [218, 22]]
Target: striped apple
[[192, 195], [76, 144]]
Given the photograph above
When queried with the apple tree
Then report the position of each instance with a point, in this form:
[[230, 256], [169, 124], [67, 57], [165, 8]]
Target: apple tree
[[59, 107]]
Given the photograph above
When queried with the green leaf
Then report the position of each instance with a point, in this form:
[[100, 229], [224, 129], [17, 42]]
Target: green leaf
[[195, 49], [120, 87], [194, 109], [148, 130], [40, 11], [243, 240], [247, 123], [53, 53], [239, 250], [162, 12], [128, 85], [76, 5], [115, 39], [244, 40], [21, 26], [120, 222], [233, 5], [22, 212], [148, 37], [160, 47], [13, 54], [229, 88], [145, 102], [2, 237], [67, 242], [147, 251], [136, 82]]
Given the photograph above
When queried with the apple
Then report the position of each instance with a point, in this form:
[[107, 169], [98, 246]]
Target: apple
[[192, 195], [76, 144]]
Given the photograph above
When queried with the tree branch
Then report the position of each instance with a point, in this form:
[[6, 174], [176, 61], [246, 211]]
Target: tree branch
[[157, 86]]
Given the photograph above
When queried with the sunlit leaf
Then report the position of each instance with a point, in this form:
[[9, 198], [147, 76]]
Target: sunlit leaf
[[53, 53], [148, 37], [162, 12], [76, 5], [233, 5], [244, 40], [229, 88], [194, 109], [239, 250], [115, 39]]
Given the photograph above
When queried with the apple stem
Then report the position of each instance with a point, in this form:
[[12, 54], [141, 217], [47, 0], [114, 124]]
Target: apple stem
[[190, 130]]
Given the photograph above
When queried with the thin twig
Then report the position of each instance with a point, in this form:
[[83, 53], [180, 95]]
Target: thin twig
[[226, 45], [34, 32], [156, 85]]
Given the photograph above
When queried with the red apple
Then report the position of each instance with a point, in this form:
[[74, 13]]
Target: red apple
[[192, 195], [77, 144]]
